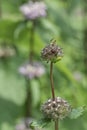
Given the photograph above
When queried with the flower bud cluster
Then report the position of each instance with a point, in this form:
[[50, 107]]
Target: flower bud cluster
[[56, 109], [33, 10], [33, 70], [52, 52], [7, 51]]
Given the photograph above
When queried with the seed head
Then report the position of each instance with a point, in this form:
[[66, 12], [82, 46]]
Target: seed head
[[56, 109], [52, 52]]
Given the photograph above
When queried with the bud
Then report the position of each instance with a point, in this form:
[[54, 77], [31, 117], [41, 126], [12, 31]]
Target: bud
[[52, 52], [56, 109]]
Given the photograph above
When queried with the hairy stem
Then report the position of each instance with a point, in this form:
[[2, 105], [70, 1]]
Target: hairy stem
[[51, 80], [56, 124]]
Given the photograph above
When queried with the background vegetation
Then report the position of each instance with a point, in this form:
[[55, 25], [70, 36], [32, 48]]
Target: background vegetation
[[66, 21]]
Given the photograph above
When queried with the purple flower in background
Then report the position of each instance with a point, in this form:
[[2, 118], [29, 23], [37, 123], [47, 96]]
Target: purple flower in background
[[32, 70], [33, 10], [7, 51]]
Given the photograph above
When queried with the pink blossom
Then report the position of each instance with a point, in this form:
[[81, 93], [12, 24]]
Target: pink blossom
[[32, 70], [33, 10]]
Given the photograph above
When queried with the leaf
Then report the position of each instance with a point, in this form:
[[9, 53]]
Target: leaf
[[7, 28], [66, 72], [35, 89], [75, 113], [20, 28], [40, 123]]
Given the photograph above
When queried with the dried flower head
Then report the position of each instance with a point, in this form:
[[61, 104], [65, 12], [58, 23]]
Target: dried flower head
[[56, 109], [32, 70], [33, 10], [52, 52]]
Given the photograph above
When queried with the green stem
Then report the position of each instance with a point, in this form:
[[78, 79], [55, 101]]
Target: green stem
[[56, 124], [32, 33], [0, 10], [85, 34], [51, 80], [28, 103]]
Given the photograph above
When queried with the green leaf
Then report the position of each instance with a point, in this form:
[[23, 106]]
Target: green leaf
[[35, 89], [66, 72], [7, 28], [40, 123], [75, 113]]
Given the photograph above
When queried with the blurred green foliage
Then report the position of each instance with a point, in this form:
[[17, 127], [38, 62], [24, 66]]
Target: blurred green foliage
[[65, 23]]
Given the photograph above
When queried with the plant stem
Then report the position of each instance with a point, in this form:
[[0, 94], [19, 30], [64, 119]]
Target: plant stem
[[56, 124], [51, 80], [85, 34], [0, 10], [52, 89], [31, 53], [28, 103]]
